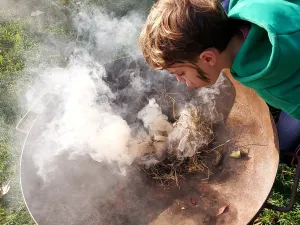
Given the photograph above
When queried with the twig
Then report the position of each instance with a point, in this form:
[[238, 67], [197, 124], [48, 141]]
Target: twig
[[219, 146], [176, 179], [173, 103], [287, 172]]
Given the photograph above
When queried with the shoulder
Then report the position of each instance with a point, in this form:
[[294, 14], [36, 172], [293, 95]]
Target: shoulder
[[272, 15]]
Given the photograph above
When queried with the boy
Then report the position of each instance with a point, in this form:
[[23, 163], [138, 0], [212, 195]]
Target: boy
[[258, 40]]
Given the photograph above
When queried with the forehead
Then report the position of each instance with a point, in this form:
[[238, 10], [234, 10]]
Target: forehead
[[178, 66]]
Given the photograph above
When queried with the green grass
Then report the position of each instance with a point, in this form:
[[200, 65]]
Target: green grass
[[7, 159], [280, 196], [13, 42], [12, 208], [21, 45]]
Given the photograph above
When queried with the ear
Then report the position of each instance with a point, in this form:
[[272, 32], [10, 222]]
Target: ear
[[208, 57]]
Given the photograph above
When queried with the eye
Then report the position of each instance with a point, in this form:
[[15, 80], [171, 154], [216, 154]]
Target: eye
[[181, 74]]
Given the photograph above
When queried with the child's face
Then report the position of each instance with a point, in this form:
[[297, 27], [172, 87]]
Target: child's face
[[208, 62], [188, 73]]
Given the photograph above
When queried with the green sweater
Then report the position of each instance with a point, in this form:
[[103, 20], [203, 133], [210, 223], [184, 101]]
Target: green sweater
[[269, 59]]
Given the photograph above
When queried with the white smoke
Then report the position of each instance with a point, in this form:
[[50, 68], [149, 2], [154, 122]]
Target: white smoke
[[102, 34], [87, 120], [194, 129], [150, 114], [105, 112]]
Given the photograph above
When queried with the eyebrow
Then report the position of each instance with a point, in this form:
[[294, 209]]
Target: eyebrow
[[201, 75]]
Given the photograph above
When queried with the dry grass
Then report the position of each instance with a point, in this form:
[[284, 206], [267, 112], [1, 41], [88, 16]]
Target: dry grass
[[171, 169], [179, 163]]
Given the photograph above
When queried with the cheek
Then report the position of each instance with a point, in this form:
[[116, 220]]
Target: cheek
[[196, 81], [214, 77], [200, 83], [194, 78]]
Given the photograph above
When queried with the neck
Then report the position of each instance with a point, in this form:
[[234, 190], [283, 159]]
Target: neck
[[228, 55]]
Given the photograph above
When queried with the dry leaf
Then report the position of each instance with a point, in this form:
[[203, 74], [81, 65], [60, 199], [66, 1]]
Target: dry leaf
[[236, 154], [4, 189], [193, 201], [222, 210]]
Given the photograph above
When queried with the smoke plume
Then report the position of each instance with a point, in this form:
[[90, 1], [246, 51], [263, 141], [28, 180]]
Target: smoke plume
[[110, 116], [98, 109]]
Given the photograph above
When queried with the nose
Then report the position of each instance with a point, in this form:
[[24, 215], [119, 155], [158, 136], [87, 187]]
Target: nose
[[189, 84], [180, 79]]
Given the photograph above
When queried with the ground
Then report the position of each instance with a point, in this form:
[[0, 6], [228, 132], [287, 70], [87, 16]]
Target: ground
[[17, 45]]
